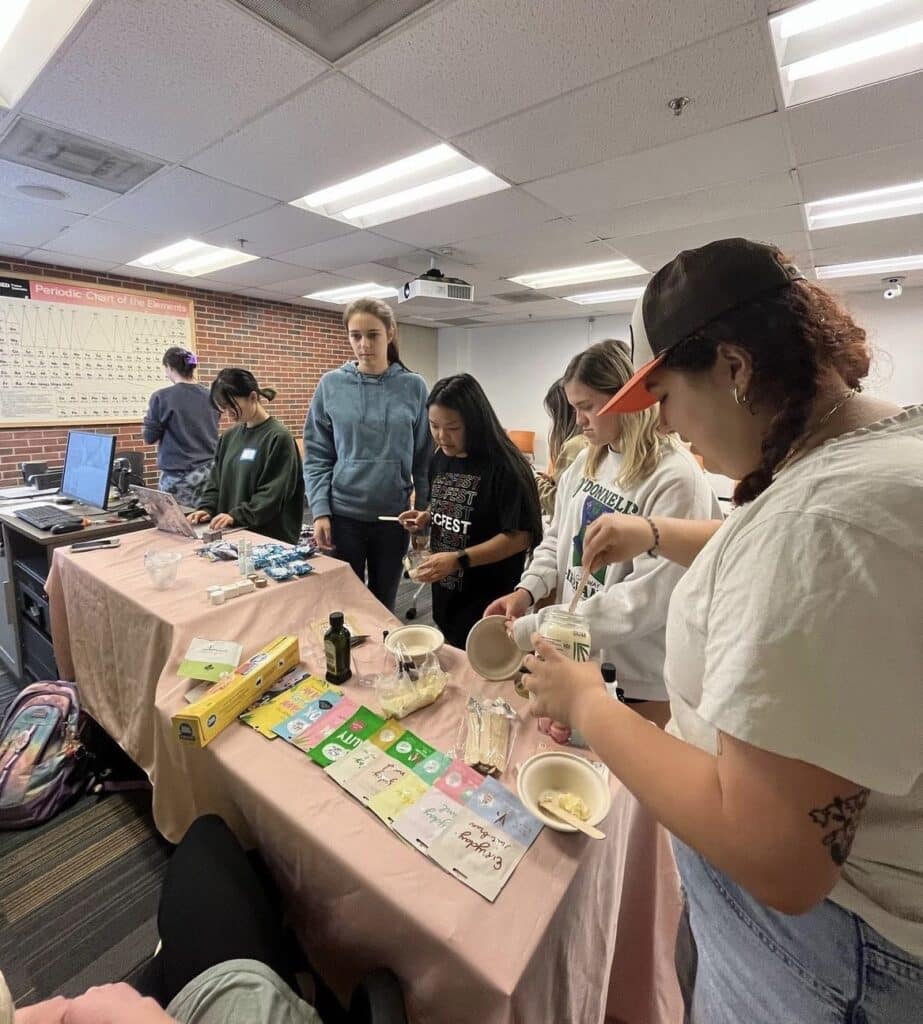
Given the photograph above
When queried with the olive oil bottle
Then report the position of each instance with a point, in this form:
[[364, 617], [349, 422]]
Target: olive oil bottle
[[337, 650]]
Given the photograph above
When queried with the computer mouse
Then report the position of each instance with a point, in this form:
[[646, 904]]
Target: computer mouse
[[66, 527], [63, 501]]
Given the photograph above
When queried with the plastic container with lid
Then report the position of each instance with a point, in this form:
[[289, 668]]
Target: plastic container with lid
[[570, 633]]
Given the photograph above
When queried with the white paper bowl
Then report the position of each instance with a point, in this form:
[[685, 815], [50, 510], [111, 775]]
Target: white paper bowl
[[491, 651], [417, 641], [568, 773]]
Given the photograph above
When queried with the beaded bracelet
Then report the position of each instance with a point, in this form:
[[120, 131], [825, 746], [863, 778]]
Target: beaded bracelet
[[655, 547]]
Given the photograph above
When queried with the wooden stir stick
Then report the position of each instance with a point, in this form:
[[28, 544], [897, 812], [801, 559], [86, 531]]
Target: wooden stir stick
[[550, 807]]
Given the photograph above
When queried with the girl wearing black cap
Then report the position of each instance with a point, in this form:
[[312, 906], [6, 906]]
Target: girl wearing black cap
[[791, 774], [182, 421]]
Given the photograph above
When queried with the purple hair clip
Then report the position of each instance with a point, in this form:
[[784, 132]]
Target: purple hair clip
[[192, 359]]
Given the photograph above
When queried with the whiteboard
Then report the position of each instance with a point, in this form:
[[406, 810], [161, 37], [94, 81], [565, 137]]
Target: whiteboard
[[82, 354]]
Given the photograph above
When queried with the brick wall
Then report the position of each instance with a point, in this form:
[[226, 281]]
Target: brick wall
[[287, 347]]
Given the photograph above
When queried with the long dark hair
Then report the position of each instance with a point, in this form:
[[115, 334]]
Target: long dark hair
[[793, 336], [383, 312], [486, 439], [181, 361], [232, 383], [563, 420]]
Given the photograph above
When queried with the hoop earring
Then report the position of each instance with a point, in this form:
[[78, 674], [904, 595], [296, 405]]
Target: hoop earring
[[737, 399]]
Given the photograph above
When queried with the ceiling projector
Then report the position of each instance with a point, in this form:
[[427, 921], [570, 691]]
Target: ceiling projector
[[434, 292]]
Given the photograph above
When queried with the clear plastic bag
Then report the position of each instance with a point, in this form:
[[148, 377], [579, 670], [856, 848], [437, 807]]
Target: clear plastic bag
[[486, 734], [407, 687]]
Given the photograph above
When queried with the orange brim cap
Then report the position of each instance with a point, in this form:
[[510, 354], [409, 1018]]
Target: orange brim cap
[[634, 396]]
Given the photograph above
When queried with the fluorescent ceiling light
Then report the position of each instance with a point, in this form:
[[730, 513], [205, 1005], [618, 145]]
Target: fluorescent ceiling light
[[822, 13], [30, 33], [616, 295], [606, 271], [881, 45], [405, 168], [424, 181], [190, 258], [342, 296], [863, 267], [832, 46], [10, 16], [861, 207]]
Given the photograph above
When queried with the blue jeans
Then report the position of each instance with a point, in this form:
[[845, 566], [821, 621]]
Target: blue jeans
[[376, 548], [739, 962]]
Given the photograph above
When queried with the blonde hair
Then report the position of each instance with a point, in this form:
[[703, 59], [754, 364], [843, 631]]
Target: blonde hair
[[606, 366], [381, 311]]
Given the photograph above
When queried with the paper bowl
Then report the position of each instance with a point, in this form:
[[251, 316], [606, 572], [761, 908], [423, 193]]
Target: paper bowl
[[417, 641], [491, 651], [555, 769]]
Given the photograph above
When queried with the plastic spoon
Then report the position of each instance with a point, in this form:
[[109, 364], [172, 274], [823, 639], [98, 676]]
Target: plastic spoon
[[578, 593]]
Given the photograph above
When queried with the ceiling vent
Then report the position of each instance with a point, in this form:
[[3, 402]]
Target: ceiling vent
[[524, 296], [32, 143], [333, 28]]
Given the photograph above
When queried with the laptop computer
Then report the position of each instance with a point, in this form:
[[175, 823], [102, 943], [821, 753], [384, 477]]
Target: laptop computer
[[164, 509]]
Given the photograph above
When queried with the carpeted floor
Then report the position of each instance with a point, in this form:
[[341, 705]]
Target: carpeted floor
[[79, 895]]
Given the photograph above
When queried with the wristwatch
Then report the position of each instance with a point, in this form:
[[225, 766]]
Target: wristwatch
[[464, 559]]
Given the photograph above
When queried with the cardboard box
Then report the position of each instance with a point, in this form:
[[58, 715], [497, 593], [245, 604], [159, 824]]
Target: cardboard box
[[201, 721]]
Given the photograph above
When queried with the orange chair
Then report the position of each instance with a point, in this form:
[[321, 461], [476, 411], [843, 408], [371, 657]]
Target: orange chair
[[524, 440]]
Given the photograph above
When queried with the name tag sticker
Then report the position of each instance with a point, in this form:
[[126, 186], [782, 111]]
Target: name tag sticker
[[248, 455]]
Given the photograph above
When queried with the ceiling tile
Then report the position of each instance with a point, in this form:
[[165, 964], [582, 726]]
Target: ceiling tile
[[313, 282], [509, 209], [876, 168], [728, 78], [356, 247], [185, 204], [277, 230], [254, 274], [556, 243], [103, 240], [783, 227], [81, 198], [376, 272], [880, 115], [507, 67], [901, 236], [32, 223], [722, 202], [167, 76], [737, 152], [329, 132], [63, 259]]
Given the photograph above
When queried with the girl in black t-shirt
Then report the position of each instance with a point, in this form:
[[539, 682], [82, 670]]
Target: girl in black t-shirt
[[484, 511]]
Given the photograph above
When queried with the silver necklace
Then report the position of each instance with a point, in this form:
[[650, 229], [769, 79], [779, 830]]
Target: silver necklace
[[793, 451]]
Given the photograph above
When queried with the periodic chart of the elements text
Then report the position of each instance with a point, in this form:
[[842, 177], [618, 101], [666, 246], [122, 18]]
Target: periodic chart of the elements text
[[72, 353]]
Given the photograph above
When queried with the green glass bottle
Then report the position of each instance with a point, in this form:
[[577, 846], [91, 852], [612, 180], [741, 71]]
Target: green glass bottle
[[337, 650]]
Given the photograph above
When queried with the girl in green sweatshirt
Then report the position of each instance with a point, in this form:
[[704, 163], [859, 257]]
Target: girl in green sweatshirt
[[256, 481]]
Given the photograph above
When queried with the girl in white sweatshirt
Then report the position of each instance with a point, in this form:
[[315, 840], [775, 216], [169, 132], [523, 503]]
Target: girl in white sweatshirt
[[629, 468]]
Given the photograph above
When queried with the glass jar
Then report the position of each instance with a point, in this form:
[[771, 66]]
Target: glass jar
[[570, 634]]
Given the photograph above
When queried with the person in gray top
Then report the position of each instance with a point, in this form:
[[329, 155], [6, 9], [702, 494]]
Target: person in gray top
[[183, 422]]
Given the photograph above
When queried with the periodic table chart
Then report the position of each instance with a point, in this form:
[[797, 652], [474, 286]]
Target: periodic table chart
[[73, 353]]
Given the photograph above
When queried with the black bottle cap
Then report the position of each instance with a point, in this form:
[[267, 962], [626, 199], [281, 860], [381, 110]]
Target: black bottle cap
[[608, 671], [336, 619]]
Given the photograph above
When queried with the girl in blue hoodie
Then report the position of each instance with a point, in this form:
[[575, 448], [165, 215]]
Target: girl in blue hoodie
[[367, 448]]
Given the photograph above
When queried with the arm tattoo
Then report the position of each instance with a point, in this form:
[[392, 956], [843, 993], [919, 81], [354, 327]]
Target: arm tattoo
[[841, 816]]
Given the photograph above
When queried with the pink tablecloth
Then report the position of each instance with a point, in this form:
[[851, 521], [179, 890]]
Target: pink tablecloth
[[583, 930]]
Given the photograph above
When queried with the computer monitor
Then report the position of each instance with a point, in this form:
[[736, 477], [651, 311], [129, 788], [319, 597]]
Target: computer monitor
[[88, 467]]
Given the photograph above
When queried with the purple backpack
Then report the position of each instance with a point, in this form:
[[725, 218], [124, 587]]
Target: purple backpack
[[43, 763]]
